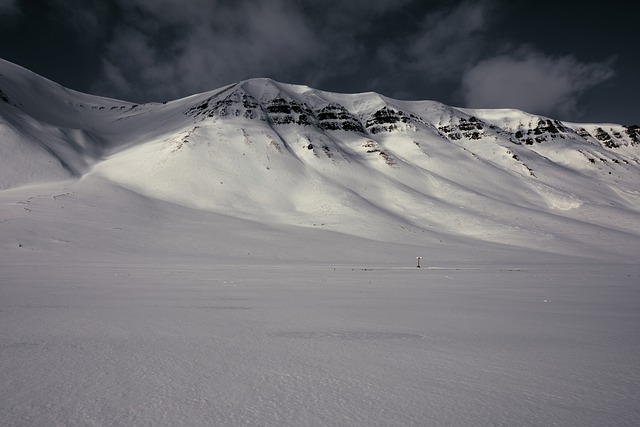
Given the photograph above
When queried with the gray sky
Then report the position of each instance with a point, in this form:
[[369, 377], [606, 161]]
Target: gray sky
[[575, 61]]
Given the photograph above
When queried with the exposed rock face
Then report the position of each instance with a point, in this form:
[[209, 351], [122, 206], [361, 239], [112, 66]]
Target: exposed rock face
[[282, 112], [604, 137], [237, 103], [612, 138], [3, 97], [278, 107], [545, 130], [582, 132], [336, 117], [634, 133], [373, 147], [459, 128], [278, 111], [388, 120]]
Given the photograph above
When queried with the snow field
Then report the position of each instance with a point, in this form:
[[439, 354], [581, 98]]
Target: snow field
[[138, 344]]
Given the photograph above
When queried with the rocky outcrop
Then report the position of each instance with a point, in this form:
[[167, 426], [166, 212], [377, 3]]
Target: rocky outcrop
[[4, 97], [237, 103], [633, 132], [545, 130], [282, 112], [462, 128], [336, 117], [281, 109], [388, 120], [278, 111]]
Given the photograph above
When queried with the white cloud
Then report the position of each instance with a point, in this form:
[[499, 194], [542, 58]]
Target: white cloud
[[531, 81]]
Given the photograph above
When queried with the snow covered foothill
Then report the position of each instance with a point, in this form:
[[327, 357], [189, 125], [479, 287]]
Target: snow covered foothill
[[246, 256]]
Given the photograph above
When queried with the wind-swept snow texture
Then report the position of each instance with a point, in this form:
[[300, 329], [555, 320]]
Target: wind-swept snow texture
[[246, 256]]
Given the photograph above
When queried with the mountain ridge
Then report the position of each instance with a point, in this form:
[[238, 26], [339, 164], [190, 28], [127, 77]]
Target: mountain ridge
[[360, 164]]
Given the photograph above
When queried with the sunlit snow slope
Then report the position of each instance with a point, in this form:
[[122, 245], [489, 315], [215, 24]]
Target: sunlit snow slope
[[286, 157]]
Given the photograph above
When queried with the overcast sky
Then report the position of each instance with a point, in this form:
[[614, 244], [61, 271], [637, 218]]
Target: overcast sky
[[570, 60]]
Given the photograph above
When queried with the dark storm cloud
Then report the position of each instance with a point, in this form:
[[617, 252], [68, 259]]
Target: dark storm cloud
[[8, 8], [481, 53], [214, 43], [208, 48], [88, 17], [170, 48], [445, 42]]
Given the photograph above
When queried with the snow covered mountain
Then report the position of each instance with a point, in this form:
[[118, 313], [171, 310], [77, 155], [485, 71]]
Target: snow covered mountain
[[246, 256], [363, 165]]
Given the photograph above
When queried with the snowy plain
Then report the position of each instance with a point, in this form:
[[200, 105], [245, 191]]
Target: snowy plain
[[148, 342], [165, 268], [309, 345]]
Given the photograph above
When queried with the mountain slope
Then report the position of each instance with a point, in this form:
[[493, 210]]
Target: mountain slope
[[358, 164]]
